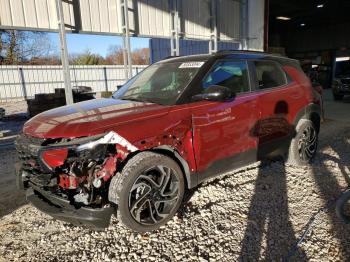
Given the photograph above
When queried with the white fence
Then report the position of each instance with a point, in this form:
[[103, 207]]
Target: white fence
[[22, 82]]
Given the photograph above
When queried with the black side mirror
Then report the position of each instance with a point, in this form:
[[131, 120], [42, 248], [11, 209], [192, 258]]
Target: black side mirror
[[215, 93]]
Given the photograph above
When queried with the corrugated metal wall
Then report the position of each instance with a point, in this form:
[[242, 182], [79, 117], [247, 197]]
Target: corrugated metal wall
[[99, 16], [256, 14], [16, 81], [196, 14], [29, 13], [160, 48], [229, 19], [146, 17], [154, 18]]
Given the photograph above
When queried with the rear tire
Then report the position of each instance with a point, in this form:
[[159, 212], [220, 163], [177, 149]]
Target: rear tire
[[303, 146], [149, 192]]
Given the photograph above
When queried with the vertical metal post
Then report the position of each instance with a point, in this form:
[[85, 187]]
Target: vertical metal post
[[175, 28], [23, 82], [105, 77], [266, 25], [334, 64], [213, 42], [126, 39], [244, 24], [64, 53]]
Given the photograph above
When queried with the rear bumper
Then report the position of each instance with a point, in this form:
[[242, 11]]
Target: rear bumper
[[61, 209]]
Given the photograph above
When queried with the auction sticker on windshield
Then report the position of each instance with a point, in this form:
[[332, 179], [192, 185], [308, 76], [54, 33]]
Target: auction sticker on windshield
[[191, 65]]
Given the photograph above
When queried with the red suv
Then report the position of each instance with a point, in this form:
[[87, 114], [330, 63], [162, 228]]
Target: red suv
[[179, 122]]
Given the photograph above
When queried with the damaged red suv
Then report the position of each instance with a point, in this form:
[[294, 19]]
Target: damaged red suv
[[179, 122]]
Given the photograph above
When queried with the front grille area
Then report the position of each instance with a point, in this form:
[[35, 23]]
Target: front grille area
[[28, 153]]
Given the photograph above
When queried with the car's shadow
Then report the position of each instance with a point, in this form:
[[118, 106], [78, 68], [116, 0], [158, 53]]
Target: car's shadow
[[330, 186], [11, 125], [10, 197]]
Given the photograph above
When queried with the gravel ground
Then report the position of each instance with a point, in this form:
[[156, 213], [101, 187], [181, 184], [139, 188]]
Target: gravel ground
[[15, 117], [257, 213], [16, 107]]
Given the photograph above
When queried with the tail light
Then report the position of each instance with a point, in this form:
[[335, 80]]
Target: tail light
[[55, 157]]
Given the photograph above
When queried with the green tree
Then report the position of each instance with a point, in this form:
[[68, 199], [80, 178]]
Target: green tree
[[87, 58], [18, 47]]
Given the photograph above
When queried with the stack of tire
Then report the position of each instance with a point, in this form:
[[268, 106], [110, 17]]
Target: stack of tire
[[44, 102], [2, 113]]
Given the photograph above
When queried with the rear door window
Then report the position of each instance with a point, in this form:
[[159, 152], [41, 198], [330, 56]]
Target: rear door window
[[269, 75]]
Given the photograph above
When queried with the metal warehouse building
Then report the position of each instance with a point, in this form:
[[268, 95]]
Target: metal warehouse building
[[218, 24]]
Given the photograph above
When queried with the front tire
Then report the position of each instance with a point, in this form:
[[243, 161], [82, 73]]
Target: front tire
[[149, 192], [304, 145]]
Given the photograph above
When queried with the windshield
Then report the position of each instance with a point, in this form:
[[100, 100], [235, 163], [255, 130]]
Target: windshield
[[342, 69], [159, 83]]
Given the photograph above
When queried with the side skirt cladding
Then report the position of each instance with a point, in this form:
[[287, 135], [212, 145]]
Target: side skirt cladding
[[226, 165]]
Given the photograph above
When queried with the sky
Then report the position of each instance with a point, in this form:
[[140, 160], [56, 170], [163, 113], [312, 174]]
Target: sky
[[98, 44]]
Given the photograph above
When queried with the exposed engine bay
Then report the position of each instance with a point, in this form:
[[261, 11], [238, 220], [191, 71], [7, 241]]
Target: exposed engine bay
[[80, 169], [85, 178]]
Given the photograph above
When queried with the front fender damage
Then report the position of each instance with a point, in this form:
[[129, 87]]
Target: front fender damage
[[91, 171], [90, 164], [94, 166], [110, 138]]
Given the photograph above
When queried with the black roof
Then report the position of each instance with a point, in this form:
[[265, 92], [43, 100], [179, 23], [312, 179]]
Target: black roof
[[187, 58], [225, 53]]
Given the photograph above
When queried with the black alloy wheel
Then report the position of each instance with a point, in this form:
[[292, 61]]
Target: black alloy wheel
[[307, 143], [153, 195], [148, 191]]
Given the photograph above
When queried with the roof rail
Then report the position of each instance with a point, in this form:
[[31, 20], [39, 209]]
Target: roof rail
[[239, 51], [250, 52], [171, 56]]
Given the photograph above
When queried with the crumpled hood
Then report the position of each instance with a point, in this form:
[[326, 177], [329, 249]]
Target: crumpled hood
[[90, 118]]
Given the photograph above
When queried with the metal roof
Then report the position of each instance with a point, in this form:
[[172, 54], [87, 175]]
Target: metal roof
[[150, 18]]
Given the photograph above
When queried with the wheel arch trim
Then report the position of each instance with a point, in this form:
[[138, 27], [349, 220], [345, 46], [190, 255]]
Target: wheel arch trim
[[171, 152], [308, 112]]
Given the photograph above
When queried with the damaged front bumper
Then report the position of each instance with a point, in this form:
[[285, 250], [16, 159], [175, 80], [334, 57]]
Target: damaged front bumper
[[61, 209]]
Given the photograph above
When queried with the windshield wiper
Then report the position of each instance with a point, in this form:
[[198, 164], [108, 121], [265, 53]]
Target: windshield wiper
[[131, 98]]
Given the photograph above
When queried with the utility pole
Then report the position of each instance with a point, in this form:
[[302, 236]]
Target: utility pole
[[64, 53]]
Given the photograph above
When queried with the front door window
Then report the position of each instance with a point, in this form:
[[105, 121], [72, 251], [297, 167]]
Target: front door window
[[231, 74]]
